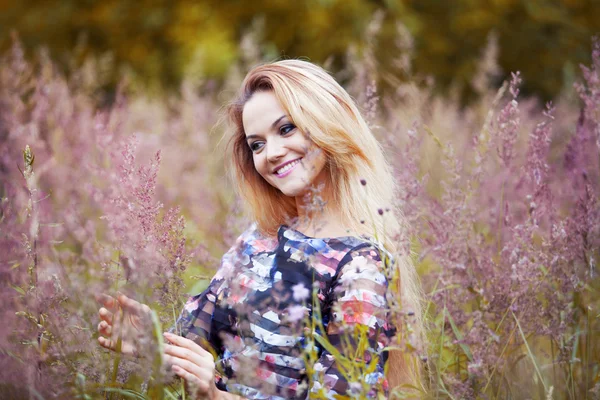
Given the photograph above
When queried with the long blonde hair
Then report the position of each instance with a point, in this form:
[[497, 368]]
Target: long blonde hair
[[361, 182]]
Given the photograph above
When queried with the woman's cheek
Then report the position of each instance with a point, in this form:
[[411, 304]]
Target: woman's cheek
[[261, 168]]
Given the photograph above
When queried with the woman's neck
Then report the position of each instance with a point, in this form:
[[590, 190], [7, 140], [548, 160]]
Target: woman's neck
[[324, 229], [318, 216]]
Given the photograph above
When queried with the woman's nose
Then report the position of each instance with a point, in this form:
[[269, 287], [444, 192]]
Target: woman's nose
[[275, 151]]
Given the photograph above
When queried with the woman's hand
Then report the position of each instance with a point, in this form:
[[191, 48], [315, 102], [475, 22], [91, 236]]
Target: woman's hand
[[194, 364], [122, 317]]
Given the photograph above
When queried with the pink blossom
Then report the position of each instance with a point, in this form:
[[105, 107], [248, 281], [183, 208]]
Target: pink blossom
[[300, 292], [296, 313]]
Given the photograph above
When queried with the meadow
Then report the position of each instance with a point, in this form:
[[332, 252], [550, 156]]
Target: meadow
[[129, 194]]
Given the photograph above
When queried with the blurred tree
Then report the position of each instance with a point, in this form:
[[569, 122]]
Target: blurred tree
[[544, 39], [161, 41]]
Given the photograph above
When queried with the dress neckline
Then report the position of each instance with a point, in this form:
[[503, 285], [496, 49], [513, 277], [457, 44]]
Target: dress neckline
[[285, 227]]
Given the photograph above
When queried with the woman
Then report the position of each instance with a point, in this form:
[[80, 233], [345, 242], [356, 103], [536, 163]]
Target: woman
[[299, 150]]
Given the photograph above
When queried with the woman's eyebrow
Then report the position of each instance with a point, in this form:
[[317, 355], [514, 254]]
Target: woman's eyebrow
[[272, 126]]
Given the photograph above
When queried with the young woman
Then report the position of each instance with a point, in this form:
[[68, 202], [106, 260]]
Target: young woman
[[299, 151]]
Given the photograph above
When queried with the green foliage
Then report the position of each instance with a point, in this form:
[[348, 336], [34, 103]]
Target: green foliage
[[161, 43]]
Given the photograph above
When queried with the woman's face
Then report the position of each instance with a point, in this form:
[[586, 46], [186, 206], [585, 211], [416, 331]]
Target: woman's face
[[283, 155]]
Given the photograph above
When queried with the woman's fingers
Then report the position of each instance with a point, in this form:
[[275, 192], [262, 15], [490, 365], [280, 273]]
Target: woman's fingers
[[186, 354], [123, 318], [122, 301], [106, 315], [106, 343], [203, 372], [104, 328], [125, 301], [107, 301], [111, 344], [132, 306], [189, 345], [191, 379], [190, 361]]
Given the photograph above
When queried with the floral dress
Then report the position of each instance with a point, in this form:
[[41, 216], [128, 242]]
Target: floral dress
[[249, 315]]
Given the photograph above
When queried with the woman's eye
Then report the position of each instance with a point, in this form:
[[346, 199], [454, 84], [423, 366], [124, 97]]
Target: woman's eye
[[255, 146], [287, 128]]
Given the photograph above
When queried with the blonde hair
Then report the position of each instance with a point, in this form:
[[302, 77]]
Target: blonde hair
[[361, 182]]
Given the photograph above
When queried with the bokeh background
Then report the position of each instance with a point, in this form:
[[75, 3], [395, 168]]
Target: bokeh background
[[161, 42]]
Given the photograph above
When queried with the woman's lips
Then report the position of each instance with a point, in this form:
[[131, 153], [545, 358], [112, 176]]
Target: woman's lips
[[293, 164]]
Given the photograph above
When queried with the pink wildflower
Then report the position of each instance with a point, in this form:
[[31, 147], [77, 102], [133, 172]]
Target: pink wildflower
[[300, 292]]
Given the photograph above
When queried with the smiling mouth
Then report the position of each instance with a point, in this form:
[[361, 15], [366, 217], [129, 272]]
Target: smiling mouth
[[286, 169]]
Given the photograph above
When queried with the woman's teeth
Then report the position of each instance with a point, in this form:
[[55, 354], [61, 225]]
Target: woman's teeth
[[287, 167]]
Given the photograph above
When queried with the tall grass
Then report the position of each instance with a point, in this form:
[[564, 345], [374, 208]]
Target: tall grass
[[501, 195]]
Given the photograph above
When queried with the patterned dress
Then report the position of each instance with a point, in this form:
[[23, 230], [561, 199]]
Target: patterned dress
[[251, 314]]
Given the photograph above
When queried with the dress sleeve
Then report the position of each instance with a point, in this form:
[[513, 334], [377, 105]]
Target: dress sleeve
[[358, 303], [197, 319]]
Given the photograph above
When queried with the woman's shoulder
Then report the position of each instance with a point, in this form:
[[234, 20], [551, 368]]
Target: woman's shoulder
[[253, 240], [250, 242]]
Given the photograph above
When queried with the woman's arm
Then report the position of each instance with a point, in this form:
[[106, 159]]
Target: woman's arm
[[196, 366], [195, 326]]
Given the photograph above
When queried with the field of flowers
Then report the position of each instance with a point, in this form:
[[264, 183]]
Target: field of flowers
[[129, 195]]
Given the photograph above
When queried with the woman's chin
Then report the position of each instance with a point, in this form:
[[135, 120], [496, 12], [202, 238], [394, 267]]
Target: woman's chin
[[293, 191]]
